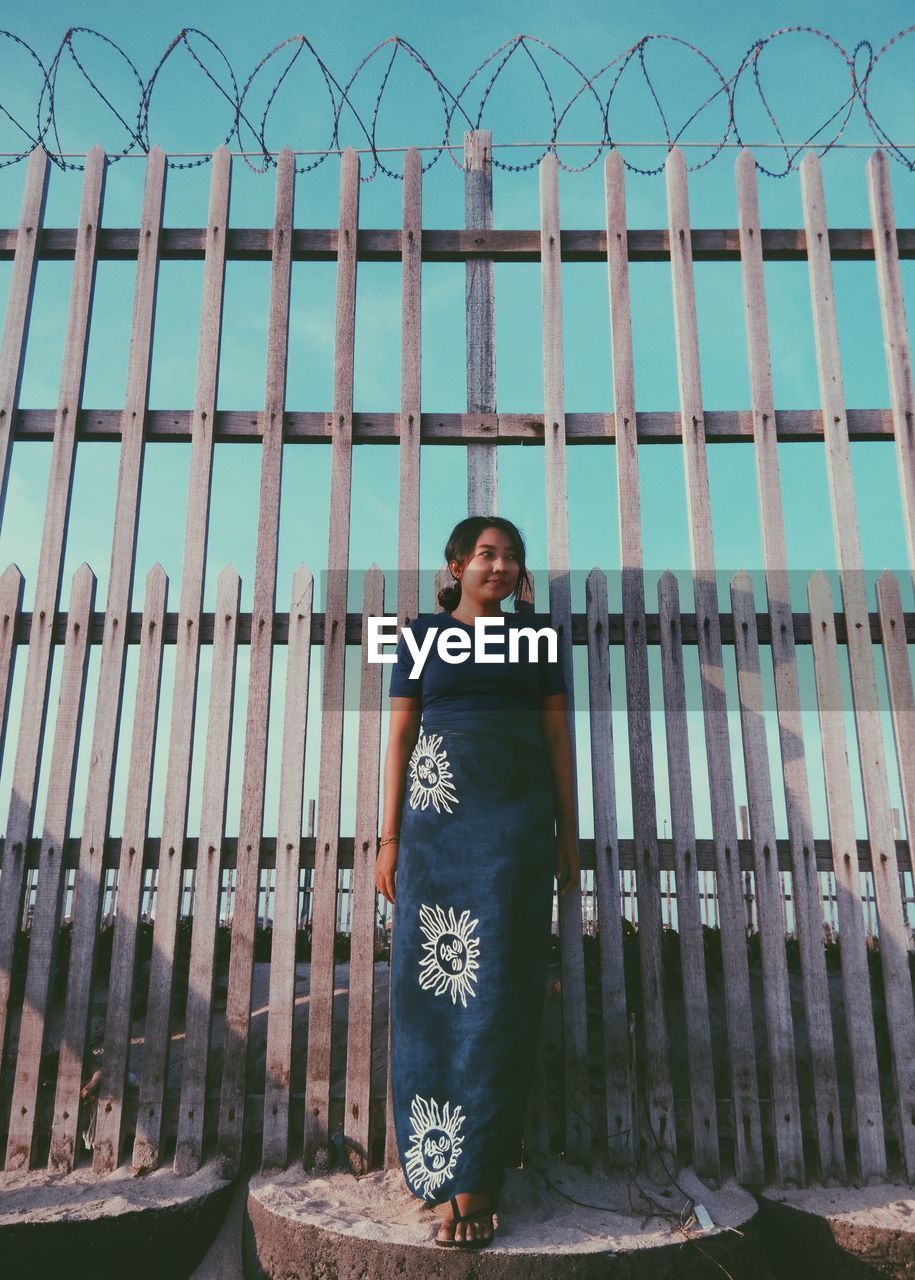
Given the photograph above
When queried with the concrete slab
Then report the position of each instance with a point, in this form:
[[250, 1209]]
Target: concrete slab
[[842, 1233], [80, 1224], [561, 1222]]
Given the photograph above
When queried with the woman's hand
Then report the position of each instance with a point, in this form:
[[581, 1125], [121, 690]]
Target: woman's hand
[[385, 866], [567, 863]]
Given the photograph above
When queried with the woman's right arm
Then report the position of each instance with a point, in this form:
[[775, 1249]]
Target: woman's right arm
[[403, 731]]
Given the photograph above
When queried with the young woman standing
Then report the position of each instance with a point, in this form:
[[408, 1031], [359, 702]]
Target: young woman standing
[[478, 816]]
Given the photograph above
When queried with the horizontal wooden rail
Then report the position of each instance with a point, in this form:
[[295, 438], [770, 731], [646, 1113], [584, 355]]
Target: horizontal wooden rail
[[255, 244], [689, 634], [705, 858], [241, 426]]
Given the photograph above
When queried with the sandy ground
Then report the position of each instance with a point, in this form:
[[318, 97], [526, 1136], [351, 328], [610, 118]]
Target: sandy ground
[[43, 1197], [579, 1213], [888, 1207]]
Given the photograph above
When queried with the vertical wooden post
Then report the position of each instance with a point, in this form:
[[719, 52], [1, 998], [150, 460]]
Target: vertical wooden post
[[111, 671], [43, 940], [320, 1016], [47, 588], [808, 911], [410, 462], [856, 992], [706, 1156], [257, 712], [19, 307], [187, 660], [281, 1001], [786, 1107], [189, 1146], [482, 459], [575, 1046], [659, 1088], [109, 1123], [616, 1067], [742, 1052], [893, 935]]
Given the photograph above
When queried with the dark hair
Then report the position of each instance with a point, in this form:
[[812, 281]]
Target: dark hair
[[460, 547]]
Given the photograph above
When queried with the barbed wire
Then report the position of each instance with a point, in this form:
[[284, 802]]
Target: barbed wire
[[249, 107]]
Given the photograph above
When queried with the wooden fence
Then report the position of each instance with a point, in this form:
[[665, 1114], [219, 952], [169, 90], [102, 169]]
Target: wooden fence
[[746, 1109]]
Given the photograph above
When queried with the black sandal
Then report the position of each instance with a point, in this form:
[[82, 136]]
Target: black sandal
[[481, 1241]]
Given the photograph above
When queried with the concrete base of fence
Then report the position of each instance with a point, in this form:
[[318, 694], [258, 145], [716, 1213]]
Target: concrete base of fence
[[302, 1225], [842, 1233], [110, 1227]]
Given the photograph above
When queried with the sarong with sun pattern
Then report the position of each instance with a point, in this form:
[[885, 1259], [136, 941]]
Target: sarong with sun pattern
[[470, 950]]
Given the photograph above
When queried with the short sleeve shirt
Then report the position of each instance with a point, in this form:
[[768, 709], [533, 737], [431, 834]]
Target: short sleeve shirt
[[471, 694]]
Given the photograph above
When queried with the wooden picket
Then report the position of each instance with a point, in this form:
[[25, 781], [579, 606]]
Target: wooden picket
[[632, 1101]]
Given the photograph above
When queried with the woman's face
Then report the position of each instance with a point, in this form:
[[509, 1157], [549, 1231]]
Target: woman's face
[[491, 571]]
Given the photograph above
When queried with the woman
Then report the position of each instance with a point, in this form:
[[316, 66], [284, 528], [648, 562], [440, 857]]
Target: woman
[[470, 804]]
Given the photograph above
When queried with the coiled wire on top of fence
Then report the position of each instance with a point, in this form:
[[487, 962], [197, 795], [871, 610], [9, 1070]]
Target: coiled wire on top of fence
[[249, 106]]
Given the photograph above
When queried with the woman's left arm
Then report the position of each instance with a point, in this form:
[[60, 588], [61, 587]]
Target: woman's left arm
[[555, 731]]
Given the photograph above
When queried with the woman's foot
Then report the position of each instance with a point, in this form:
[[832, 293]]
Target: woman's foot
[[479, 1228]]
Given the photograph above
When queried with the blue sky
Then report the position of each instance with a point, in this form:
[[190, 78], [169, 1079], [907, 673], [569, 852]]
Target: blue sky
[[805, 81]]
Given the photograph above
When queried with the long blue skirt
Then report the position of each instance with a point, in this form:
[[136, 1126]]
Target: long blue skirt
[[469, 955]]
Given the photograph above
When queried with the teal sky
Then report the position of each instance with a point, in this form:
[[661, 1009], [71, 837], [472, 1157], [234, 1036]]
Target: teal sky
[[805, 82]]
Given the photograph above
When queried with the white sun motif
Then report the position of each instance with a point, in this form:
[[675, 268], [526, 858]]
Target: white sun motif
[[430, 775], [450, 960], [434, 1144]]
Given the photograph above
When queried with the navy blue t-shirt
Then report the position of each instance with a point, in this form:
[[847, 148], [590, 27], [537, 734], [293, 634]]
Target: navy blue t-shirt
[[470, 694]]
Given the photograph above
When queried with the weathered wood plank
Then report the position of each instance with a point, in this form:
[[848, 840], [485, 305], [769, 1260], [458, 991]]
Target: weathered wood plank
[[749, 1164], [659, 1098], [241, 426], [893, 932], [184, 696], [47, 588], [856, 990], [19, 306], [362, 929], [616, 1067], [482, 459], [895, 335], [12, 587], [408, 483], [321, 244], [45, 922], [110, 1121], [111, 672], [706, 1156], [808, 909], [789, 1146], [251, 822], [286, 904], [208, 878], [577, 1118], [902, 701], [320, 1017]]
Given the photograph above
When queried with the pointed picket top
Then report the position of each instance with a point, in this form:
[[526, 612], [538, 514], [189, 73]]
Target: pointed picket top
[[675, 164], [877, 163], [302, 578], [889, 595], [227, 578], [156, 575], [743, 583], [745, 165], [83, 576], [669, 582], [819, 595], [11, 578], [156, 160]]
